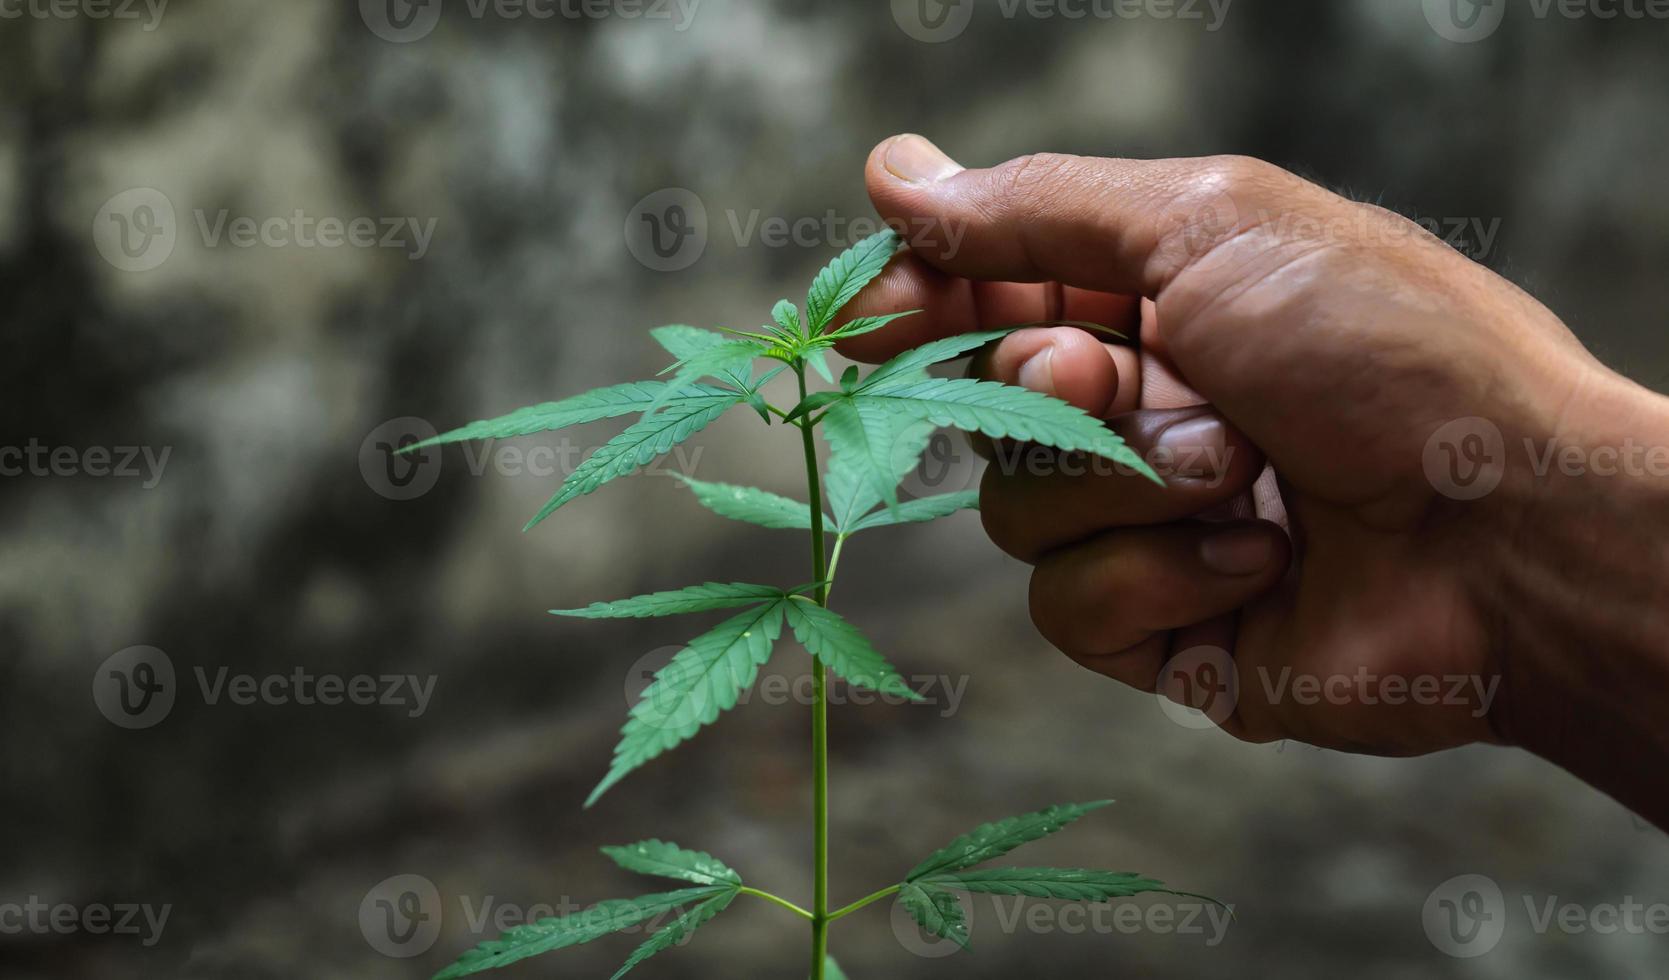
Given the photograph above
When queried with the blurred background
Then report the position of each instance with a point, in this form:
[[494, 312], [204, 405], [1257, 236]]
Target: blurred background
[[247, 247]]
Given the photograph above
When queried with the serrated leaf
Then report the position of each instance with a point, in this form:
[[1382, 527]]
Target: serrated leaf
[[561, 932], [695, 598], [819, 361], [787, 316], [678, 930], [750, 504], [811, 403], [867, 437], [731, 360], [684, 341], [638, 444], [936, 910], [600, 403], [993, 840], [1069, 884], [846, 276], [909, 365], [664, 859], [866, 324], [851, 484], [844, 650], [918, 511], [701, 681], [1001, 412]]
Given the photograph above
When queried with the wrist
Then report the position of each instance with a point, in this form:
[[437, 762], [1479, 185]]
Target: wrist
[[1581, 597]]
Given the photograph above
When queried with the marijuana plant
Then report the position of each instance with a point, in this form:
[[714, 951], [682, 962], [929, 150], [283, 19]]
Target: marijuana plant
[[877, 426]]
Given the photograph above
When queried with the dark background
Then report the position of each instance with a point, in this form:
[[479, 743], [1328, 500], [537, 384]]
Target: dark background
[[265, 547]]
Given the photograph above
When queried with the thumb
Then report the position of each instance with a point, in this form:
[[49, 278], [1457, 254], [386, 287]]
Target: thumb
[[1121, 226]]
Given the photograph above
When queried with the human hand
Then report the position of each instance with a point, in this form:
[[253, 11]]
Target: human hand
[[1280, 322]]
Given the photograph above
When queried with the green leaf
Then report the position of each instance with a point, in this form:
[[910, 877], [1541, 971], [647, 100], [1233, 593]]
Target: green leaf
[[918, 511], [684, 341], [936, 910], [1001, 412], [638, 444], [852, 482], [751, 504], [548, 935], [668, 860], [695, 598], [849, 378], [909, 365], [993, 840], [787, 316], [819, 361], [832, 970], [846, 276], [866, 324], [600, 403], [1069, 884], [812, 403], [702, 680], [679, 930], [732, 359], [844, 650], [871, 441]]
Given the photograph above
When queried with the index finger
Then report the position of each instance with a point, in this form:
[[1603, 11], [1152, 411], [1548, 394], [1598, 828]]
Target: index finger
[[1112, 226]]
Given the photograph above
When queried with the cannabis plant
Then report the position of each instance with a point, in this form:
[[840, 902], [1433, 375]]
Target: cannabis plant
[[877, 426]]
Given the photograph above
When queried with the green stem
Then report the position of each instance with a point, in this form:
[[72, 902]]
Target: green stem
[[834, 563], [819, 710], [778, 899], [866, 900]]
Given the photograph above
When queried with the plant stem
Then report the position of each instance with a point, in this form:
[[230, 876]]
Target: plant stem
[[834, 563], [866, 900], [778, 899], [819, 710]]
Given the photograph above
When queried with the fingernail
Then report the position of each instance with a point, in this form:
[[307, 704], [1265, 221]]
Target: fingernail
[[913, 158], [1038, 372], [1238, 552], [1198, 447]]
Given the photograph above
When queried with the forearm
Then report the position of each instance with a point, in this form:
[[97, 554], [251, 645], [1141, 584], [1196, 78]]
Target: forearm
[[1582, 596]]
